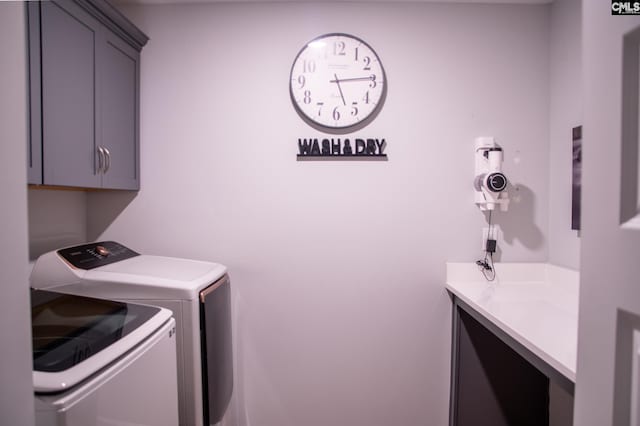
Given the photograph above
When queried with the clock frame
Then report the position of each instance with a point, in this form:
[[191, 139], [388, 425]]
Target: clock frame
[[337, 83]]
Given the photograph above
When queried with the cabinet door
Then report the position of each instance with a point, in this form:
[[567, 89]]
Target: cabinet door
[[69, 37], [119, 72]]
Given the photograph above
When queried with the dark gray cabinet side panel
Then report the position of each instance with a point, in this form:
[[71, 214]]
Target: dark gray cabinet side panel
[[68, 95], [495, 386], [119, 113], [34, 144]]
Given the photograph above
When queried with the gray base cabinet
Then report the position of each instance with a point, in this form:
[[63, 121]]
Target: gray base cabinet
[[495, 381], [496, 386], [84, 89]]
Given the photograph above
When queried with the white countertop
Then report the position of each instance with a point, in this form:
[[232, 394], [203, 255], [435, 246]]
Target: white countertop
[[535, 303]]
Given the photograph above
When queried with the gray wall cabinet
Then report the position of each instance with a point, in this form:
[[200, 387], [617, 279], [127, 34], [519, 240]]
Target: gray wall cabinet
[[84, 82]]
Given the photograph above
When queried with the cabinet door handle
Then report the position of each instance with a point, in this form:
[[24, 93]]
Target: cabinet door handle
[[107, 164], [101, 159]]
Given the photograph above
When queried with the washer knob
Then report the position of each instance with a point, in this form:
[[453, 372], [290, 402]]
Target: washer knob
[[102, 251]]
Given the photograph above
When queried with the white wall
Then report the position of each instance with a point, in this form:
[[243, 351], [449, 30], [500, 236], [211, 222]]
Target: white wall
[[565, 112], [56, 219], [16, 403], [338, 267]]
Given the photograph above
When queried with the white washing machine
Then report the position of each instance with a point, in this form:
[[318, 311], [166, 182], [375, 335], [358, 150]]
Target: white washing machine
[[197, 292], [103, 363]]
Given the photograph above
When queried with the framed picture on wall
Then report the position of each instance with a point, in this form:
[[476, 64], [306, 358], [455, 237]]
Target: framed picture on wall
[[576, 177]]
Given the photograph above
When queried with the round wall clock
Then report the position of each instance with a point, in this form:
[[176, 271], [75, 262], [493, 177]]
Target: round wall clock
[[337, 83]]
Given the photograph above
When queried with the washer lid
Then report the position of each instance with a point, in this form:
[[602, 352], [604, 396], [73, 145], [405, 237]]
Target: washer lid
[[74, 336]]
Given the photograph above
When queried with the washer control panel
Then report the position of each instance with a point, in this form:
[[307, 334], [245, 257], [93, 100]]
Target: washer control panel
[[94, 255]]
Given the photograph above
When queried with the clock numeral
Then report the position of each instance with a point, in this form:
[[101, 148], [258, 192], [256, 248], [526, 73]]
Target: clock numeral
[[356, 54], [367, 63], [336, 114], [373, 83], [319, 107], [365, 98], [308, 66], [307, 97], [301, 81], [338, 48], [354, 108]]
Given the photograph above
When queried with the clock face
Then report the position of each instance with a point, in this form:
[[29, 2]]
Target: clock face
[[337, 82]]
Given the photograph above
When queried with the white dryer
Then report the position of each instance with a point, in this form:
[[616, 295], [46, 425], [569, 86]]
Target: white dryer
[[197, 292], [95, 362]]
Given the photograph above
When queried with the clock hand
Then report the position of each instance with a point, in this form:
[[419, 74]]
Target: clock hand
[[352, 79], [336, 81]]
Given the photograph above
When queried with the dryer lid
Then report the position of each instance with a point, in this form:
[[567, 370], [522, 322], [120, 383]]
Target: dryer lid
[[120, 273]]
